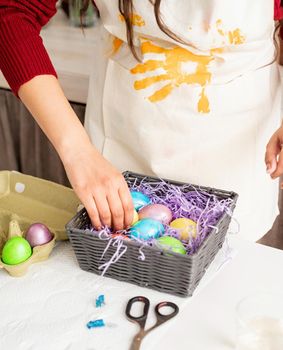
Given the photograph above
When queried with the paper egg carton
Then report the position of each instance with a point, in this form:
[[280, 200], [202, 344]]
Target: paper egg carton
[[39, 253], [25, 200]]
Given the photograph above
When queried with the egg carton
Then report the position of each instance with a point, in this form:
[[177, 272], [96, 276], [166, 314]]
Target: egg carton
[[39, 253], [25, 200]]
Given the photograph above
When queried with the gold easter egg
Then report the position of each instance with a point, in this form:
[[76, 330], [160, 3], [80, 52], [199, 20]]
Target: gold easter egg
[[187, 228], [136, 217]]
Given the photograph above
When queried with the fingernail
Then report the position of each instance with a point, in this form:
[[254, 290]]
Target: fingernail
[[268, 169]]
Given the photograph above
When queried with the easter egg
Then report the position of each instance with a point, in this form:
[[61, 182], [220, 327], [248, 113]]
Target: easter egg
[[38, 234], [187, 228], [157, 212], [146, 229], [16, 250], [139, 199], [171, 244], [136, 217]]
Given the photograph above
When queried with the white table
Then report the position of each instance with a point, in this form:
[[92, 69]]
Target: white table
[[50, 306], [208, 322]]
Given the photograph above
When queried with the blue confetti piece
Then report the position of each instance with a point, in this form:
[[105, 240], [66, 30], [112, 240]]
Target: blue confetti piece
[[95, 324], [100, 301]]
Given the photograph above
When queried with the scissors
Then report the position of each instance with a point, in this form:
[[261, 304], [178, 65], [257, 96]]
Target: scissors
[[141, 320]]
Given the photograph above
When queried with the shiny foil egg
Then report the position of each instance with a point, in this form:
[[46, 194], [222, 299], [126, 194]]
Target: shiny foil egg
[[16, 250], [157, 212], [139, 199], [171, 244], [38, 234], [146, 229], [187, 228]]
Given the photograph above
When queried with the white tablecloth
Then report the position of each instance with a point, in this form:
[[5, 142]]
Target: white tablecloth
[[50, 306]]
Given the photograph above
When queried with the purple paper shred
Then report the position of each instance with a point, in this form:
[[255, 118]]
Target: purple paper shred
[[184, 201], [190, 202]]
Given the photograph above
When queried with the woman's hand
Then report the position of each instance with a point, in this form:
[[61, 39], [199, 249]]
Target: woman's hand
[[274, 154], [101, 188]]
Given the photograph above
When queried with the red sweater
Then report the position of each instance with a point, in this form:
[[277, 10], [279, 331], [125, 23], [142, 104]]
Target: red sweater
[[22, 54]]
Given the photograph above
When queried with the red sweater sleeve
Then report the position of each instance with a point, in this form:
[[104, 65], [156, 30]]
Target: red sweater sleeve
[[22, 54], [278, 10]]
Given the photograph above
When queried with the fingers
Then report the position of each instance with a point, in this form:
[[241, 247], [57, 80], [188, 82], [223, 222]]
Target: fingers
[[279, 167], [103, 208], [92, 211], [272, 150], [116, 209], [101, 188], [127, 203], [113, 204]]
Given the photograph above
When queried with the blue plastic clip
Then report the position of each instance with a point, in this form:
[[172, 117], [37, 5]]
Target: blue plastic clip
[[101, 298], [100, 301], [95, 324]]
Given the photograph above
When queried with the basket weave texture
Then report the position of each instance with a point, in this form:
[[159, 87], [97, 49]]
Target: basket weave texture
[[171, 273]]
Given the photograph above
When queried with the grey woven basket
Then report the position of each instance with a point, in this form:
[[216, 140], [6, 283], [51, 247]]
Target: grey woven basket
[[170, 273]]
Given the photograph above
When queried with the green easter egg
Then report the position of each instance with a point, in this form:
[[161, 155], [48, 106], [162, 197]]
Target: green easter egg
[[171, 244], [16, 250]]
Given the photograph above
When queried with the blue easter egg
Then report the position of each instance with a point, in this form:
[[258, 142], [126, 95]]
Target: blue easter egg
[[139, 199], [146, 229]]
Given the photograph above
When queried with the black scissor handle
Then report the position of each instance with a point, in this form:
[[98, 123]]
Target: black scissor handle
[[139, 319], [163, 318]]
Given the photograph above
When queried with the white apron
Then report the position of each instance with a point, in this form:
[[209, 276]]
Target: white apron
[[200, 113]]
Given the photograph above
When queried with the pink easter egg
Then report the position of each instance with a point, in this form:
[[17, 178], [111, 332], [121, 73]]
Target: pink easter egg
[[157, 212], [38, 234]]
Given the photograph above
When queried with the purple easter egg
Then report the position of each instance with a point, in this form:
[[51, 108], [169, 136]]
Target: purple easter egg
[[157, 212], [38, 234]]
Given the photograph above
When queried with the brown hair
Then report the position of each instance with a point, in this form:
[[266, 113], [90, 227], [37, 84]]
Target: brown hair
[[126, 9]]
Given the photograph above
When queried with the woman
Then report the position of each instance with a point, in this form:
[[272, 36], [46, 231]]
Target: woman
[[188, 92]]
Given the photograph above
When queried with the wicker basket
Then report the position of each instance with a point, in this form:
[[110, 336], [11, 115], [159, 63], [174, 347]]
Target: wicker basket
[[170, 273]]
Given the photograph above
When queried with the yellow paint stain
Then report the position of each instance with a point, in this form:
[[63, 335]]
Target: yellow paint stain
[[219, 27], [146, 82], [136, 20], [148, 47], [217, 50], [171, 63], [148, 66], [116, 45], [173, 75], [236, 37], [203, 103], [162, 93]]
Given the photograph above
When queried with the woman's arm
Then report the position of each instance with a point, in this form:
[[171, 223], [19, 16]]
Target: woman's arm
[[100, 187], [29, 71]]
